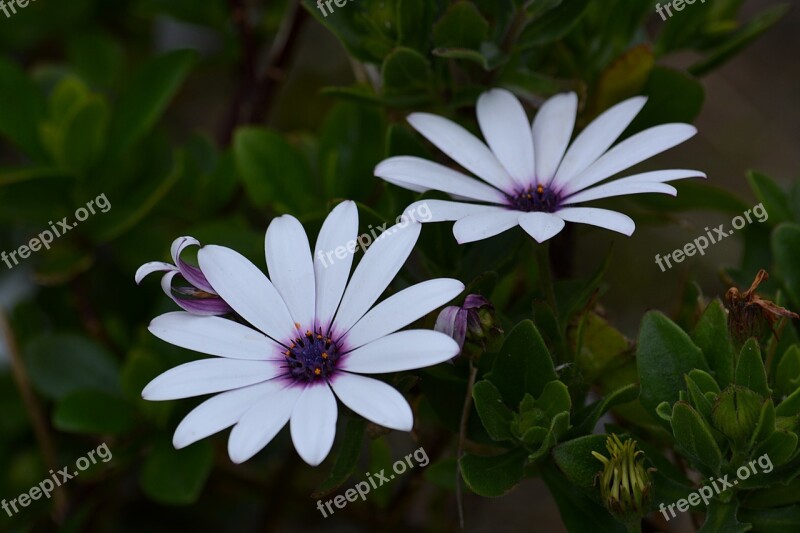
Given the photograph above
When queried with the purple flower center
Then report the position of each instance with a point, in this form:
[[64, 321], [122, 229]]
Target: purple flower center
[[312, 357], [539, 198]]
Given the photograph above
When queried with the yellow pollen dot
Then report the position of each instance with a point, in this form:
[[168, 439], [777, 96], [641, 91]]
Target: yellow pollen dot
[[297, 325], [324, 355], [319, 336], [293, 345], [308, 334], [287, 353], [317, 371], [540, 189]]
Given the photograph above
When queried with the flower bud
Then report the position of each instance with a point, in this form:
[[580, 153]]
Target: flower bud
[[736, 412], [472, 325], [624, 481]]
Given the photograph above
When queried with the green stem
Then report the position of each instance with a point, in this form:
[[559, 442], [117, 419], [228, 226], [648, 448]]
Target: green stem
[[462, 437], [634, 526], [546, 275]]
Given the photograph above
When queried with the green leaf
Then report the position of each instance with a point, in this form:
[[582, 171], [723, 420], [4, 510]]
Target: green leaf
[[489, 57], [721, 518], [346, 458], [97, 56], [553, 25], [711, 336], [59, 364], [138, 205], [495, 415], [773, 199], [462, 26], [765, 426], [414, 17], [262, 154], [699, 400], [85, 134], [664, 354], [364, 28], [776, 520], [578, 511], [405, 71], [785, 248], [523, 365], [790, 406], [694, 436], [22, 110], [750, 371], [787, 378], [776, 496], [672, 96], [740, 40], [779, 447], [93, 412], [176, 477], [146, 97], [705, 381], [493, 476], [586, 419], [600, 347], [576, 461]]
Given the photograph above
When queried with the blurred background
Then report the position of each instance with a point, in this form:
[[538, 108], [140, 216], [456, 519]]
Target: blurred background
[[67, 303]]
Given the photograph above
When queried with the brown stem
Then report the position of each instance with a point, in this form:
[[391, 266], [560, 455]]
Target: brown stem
[[462, 436], [35, 413]]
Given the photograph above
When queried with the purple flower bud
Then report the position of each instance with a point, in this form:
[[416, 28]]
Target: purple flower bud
[[198, 297]]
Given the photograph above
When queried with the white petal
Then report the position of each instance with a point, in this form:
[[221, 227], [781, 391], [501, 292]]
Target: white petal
[[220, 412], [484, 225], [374, 400], [619, 188], [377, 269], [154, 266], [552, 130], [444, 210], [214, 336], [313, 424], [631, 151], [463, 148], [506, 129], [339, 229], [208, 376], [663, 176], [291, 269], [406, 350], [401, 309], [541, 226], [180, 244], [424, 175], [596, 138], [599, 217], [247, 290], [259, 425]]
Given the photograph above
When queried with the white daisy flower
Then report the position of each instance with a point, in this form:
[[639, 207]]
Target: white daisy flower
[[313, 336], [532, 176]]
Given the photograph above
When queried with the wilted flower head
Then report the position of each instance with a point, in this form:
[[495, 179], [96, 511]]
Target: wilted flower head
[[310, 336], [474, 320], [531, 175], [749, 315], [624, 481], [196, 296]]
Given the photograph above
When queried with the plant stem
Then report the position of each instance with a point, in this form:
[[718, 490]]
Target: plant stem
[[634, 526], [35, 413], [546, 275], [462, 436]]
